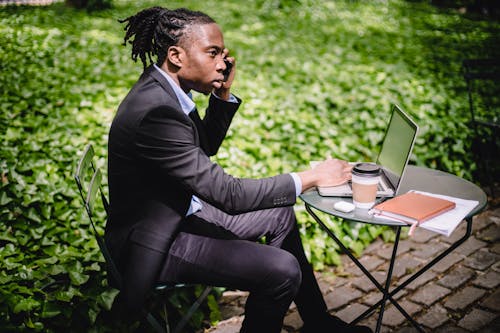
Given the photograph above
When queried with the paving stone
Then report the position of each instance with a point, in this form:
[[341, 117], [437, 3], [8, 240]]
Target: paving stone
[[371, 322], [481, 221], [423, 236], [406, 329], [364, 284], [353, 270], [232, 325], [371, 262], [372, 298], [230, 310], [341, 296], [406, 245], [489, 280], [386, 251], [491, 234], [496, 267], [492, 302], [339, 281], [429, 250], [426, 277], [471, 245], [373, 247], [230, 296], [394, 318], [325, 285], [429, 294], [434, 317], [476, 319], [495, 248], [448, 261], [293, 321], [403, 247], [404, 265], [456, 277], [450, 329], [379, 276], [351, 312], [464, 298], [493, 327], [481, 260]]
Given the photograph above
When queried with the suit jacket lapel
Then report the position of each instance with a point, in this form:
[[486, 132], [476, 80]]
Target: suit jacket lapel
[[168, 89]]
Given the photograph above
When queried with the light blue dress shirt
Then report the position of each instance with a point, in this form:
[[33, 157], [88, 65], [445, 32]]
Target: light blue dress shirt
[[188, 106]]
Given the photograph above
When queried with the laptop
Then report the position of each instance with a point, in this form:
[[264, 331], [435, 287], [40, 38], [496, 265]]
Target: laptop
[[393, 157]]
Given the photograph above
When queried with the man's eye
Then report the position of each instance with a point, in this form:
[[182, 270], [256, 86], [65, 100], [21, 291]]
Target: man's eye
[[213, 53]]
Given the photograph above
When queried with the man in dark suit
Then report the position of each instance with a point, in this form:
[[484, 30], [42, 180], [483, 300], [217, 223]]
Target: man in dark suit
[[175, 216]]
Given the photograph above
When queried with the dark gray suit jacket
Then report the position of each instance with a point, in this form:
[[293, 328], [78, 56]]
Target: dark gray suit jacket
[[157, 159]]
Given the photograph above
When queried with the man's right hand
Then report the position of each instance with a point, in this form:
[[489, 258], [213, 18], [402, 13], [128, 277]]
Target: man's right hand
[[330, 172]]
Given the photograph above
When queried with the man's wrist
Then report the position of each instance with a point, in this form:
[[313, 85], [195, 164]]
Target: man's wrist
[[231, 98], [308, 179]]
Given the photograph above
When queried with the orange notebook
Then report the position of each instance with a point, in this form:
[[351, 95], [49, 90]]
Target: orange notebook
[[413, 208]]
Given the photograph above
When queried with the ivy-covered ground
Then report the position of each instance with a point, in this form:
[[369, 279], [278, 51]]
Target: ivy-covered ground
[[317, 78]]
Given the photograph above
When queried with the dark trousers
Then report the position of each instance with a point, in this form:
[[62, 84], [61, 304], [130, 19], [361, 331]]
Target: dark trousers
[[218, 249]]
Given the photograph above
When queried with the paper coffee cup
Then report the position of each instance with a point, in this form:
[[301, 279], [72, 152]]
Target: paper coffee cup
[[365, 179]]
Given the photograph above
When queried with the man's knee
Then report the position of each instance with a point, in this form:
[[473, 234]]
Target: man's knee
[[287, 277]]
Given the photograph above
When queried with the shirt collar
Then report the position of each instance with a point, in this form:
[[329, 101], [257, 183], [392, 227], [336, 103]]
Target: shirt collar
[[185, 100]]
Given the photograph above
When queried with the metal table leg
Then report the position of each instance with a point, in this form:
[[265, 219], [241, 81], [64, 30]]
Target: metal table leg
[[432, 262], [385, 290], [367, 274]]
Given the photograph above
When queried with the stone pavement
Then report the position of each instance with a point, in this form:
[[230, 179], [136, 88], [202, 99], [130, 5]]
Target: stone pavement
[[459, 294]]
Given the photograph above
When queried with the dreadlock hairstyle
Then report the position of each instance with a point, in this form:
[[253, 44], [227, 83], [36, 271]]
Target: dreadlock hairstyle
[[155, 29]]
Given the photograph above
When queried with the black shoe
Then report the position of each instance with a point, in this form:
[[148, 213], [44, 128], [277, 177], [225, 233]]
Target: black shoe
[[333, 324]]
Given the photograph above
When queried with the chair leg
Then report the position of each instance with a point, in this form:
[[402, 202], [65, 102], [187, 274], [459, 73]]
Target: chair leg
[[165, 314], [155, 324], [191, 310]]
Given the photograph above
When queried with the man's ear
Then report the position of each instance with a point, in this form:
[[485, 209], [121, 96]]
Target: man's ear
[[175, 55]]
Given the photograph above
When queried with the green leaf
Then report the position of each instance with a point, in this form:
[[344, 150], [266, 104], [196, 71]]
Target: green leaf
[[107, 298], [4, 199], [78, 278], [26, 304], [50, 310]]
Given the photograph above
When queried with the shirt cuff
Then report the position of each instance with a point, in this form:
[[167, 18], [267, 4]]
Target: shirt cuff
[[232, 98], [298, 183]]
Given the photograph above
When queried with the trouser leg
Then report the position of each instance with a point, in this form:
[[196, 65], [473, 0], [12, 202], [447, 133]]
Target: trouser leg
[[272, 275], [309, 299], [280, 229]]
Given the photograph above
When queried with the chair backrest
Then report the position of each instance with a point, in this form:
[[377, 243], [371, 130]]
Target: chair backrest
[[88, 178], [84, 172]]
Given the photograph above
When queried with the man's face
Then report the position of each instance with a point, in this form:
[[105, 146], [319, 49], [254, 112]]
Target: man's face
[[202, 62]]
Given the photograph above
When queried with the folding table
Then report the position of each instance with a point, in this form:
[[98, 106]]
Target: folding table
[[416, 178]]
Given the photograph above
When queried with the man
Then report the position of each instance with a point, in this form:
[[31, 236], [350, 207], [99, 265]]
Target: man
[[175, 216]]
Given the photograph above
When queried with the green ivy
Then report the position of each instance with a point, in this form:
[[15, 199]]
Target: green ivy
[[317, 78]]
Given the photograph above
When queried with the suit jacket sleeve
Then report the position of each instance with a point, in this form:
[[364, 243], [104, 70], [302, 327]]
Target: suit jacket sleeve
[[213, 129], [167, 141]]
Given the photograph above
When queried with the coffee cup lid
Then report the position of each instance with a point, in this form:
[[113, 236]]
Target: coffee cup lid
[[366, 170]]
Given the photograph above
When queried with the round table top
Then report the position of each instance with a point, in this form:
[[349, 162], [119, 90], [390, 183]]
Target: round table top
[[415, 178]]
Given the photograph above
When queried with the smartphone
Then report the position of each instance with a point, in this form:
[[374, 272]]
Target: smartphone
[[226, 72]]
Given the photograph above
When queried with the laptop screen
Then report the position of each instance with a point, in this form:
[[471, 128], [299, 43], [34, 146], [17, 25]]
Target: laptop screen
[[397, 145]]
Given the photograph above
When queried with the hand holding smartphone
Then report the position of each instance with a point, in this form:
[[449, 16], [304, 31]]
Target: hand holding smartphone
[[227, 71]]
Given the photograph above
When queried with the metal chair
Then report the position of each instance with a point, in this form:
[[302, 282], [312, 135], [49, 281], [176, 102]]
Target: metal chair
[[482, 77], [88, 178]]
